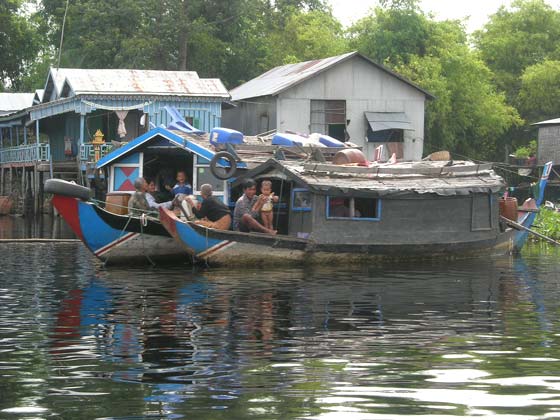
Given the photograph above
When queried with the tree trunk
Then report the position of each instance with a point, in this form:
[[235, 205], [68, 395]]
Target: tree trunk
[[183, 36]]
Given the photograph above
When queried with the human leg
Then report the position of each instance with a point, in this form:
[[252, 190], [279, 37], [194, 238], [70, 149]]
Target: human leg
[[253, 225]]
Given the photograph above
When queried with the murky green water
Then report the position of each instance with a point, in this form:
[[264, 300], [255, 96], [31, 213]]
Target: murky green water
[[475, 338]]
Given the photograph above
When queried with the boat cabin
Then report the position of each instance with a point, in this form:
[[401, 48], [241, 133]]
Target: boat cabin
[[412, 203], [162, 152]]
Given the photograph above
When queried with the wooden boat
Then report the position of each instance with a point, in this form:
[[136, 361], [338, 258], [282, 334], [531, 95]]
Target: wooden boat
[[119, 238], [528, 211], [403, 211], [6, 204], [113, 238]]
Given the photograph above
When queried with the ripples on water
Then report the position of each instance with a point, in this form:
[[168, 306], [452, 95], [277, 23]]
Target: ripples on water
[[468, 338]]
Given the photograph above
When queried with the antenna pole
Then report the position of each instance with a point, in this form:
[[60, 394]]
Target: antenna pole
[[62, 35]]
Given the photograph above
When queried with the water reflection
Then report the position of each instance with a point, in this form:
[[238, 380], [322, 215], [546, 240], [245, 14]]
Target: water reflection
[[469, 338], [43, 226]]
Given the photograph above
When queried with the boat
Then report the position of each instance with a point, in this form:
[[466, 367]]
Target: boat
[[528, 211], [406, 210], [112, 238], [117, 238]]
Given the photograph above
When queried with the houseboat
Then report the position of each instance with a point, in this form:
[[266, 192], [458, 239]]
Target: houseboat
[[113, 235], [336, 214]]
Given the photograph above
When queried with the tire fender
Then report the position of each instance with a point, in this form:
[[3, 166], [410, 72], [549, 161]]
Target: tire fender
[[223, 173]]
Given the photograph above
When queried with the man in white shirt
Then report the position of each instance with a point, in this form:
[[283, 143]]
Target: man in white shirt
[[152, 200]]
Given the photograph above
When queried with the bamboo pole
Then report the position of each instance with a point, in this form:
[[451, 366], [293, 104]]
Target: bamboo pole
[[518, 226]]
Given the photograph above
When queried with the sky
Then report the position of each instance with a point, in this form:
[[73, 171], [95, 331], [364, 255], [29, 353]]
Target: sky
[[348, 11]]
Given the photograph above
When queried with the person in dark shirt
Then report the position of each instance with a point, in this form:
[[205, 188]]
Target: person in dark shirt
[[211, 212]]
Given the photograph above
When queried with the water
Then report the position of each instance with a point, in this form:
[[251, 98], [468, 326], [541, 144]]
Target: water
[[474, 338]]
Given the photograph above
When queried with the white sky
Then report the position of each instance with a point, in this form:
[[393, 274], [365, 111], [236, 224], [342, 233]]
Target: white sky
[[349, 11]]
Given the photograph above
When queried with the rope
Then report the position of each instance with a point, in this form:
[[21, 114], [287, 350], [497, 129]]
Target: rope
[[120, 236], [280, 197], [144, 221]]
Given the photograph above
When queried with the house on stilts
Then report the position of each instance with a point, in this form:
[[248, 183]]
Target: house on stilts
[[81, 114]]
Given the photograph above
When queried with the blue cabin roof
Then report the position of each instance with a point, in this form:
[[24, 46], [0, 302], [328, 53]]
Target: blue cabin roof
[[172, 138]]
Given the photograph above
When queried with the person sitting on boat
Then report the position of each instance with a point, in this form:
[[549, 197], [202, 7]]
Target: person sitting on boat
[[247, 209], [151, 197], [182, 186], [212, 212], [138, 204], [267, 213]]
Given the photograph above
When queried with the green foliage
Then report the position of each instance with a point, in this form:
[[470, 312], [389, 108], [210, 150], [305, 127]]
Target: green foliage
[[548, 223], [468, 112], [517, 38], [524, 152], [18, 43], [306, 36], [540, 90]]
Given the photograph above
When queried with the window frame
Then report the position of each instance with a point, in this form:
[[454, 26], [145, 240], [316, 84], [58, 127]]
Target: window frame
[[352, 204], [299, 209]]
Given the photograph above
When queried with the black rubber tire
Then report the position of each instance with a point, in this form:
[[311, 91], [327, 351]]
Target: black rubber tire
[[223, 173], [67, 189]]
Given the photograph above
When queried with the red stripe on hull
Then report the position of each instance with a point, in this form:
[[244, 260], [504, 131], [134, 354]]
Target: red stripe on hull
[[68, 209]]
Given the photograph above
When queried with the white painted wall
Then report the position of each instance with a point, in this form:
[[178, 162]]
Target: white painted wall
[[365, 88]]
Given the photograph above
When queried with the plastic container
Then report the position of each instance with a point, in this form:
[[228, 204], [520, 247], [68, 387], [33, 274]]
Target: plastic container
[[288, 139], [330, 141], [508, 208], [220, 135], [350, 156]]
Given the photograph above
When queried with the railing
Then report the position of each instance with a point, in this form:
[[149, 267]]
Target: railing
[[26, 153], [87, 152]]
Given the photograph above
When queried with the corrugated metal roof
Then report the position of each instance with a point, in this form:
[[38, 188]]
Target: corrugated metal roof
[[131, 82], [11, 102], [548, 122], [283, 77], [459, 179]]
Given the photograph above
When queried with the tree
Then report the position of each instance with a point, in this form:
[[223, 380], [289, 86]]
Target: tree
[[469, 114], [516, 38], [539, 97], [306, 36], [18, 41]]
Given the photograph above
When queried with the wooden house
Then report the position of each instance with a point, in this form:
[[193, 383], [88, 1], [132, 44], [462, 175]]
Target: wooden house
[[120, 104], [348, 97], [548, 141]]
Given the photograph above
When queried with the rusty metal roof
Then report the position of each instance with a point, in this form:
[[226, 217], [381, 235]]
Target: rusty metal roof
[[136, 82], [462, 178], [281, 78], [12, 102]]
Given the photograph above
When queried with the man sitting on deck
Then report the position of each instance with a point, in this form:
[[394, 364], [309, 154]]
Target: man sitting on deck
[[137, 204], [212, 212], [151, 197], [247, 209]]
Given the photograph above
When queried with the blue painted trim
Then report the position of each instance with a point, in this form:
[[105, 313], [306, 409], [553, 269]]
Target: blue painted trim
[[295, 190], [163, 132], [369, 219]]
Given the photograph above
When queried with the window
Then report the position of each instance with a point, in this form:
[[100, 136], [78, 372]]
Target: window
[[354, 208], [301, 200], [329, 117], [385, 136]]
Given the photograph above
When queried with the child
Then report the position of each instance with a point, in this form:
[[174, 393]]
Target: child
[[268, 198], [182, 186]]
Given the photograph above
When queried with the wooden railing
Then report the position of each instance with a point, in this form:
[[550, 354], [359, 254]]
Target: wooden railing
[[87, 152], [27, 153]]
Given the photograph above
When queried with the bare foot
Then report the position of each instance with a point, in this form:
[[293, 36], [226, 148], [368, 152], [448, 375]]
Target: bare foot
[[272, 232]]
